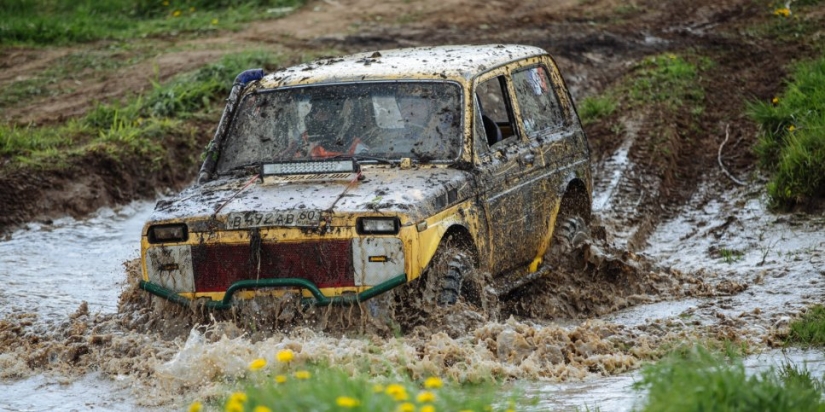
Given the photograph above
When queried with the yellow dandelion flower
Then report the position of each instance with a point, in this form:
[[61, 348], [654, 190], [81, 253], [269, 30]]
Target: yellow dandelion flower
[[196, 407], [238, 397], [433, 382], [166, 4], [232, 406], [285, 356], [347, 402], [397, 392], [784, 12], [791, 128], [261, 408], [425, 397], [214, 22], [302, 375], [176, 13], [257, 364], [406, 407], [775, 100], [427, 408], [378, 388], [280, 378]]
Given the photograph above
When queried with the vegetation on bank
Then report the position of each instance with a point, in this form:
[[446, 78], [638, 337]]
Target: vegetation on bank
[[139, 124], [696, 380], [62, 22], [809, 329], [285, 385], [791, 144]]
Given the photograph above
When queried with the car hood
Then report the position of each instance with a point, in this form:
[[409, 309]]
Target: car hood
[[416, 193]]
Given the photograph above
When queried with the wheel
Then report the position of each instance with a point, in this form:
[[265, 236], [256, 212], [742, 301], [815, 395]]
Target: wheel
[[452, 274], [571, 232], [450, 267]]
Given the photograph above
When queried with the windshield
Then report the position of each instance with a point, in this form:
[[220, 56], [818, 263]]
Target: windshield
[[389, 120]]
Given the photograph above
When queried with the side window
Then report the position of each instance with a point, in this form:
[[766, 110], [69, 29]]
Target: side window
[[537, 100], [495, 112]]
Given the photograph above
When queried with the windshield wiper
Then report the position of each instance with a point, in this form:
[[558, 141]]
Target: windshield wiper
[[360, 159], [381, 160]]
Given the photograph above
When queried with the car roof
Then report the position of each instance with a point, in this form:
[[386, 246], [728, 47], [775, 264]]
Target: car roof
[[459, 63]]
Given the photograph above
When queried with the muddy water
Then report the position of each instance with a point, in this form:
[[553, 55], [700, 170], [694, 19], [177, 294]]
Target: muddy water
[[49, 269], [58, 353]]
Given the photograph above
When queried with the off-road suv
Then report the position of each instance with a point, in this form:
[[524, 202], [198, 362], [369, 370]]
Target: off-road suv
[[344, 178]]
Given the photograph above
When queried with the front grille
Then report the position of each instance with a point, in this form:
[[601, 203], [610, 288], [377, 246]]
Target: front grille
[[325, 263]]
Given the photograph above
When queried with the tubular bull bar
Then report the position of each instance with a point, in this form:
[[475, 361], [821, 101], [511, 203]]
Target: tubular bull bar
[[317, 299]]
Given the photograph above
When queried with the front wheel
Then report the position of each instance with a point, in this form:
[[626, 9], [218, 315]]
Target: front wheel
[[451, 269]]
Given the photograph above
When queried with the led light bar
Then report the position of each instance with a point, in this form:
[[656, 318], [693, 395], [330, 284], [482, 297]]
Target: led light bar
[[310, 167]]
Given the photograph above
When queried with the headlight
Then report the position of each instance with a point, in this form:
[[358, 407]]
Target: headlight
[[378, 225], [168, 233]]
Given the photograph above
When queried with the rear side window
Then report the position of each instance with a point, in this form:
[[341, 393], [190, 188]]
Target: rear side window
[[537, 99]]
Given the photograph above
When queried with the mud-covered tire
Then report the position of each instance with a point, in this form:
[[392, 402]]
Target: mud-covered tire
[[450, 267], [569, 235]]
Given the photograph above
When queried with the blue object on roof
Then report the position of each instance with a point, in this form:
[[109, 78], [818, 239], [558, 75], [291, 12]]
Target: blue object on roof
[[250, 75]]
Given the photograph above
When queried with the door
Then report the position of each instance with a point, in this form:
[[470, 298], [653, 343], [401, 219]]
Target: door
[[503, 163]]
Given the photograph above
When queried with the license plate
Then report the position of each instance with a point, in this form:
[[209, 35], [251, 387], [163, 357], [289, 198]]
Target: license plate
[[311, 218]]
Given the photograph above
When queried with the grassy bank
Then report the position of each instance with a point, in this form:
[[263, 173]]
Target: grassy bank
[[696, 380], [140, 122], [791, 145], [117, 152], [61, 22], [809, 329]]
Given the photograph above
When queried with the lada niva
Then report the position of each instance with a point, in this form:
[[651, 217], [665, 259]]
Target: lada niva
[[344, 178]]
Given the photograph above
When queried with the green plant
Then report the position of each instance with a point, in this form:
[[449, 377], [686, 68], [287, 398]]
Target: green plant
[[792, 140], [696, 380], [283, 386], [809, 329], [60, 22], [730, 255], [667, 79], [592, 109]]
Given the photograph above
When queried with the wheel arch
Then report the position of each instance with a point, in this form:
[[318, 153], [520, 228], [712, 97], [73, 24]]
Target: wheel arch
[[576, 199]]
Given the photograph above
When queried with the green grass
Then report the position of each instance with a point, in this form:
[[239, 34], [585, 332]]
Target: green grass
[[798, 26], [283, 387], [730, 256], [809, 329], [140, 123], [696, 380], [791, 145], [670, 80], [62, 22], [592, 109]]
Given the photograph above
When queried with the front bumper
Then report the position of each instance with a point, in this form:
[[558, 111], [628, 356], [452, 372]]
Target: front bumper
[[317, 299]]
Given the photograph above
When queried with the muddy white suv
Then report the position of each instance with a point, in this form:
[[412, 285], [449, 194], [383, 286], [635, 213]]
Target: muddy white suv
[[345, 178]]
